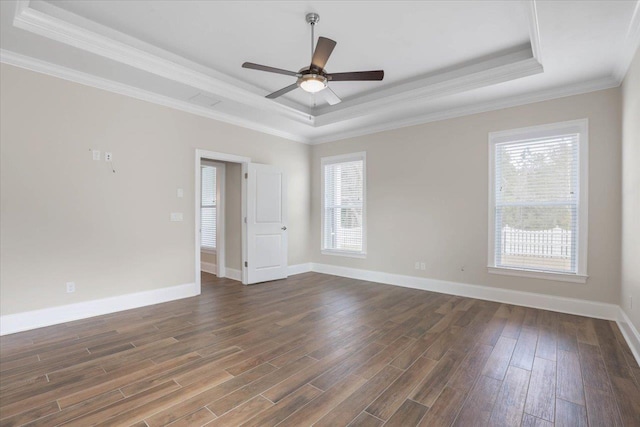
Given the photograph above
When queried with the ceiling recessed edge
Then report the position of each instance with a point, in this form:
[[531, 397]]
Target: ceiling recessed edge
[[498, 104], [531, 12], [21, 5], [633, 40], [454, 85], [53, 28], [54, 70], [46, 25], [631, 45]]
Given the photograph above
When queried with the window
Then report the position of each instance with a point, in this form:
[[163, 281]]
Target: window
[[538, 201], [343, 205], [208, 207]]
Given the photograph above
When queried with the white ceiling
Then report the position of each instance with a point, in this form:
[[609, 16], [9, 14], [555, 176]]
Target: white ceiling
[[441, 58]]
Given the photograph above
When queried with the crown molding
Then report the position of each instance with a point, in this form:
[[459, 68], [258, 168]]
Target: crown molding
[[55, 70], [29, 63], [631, 45], [57, 24], [486, 73], [531, 12], [21, 5], [90, 38], [529, 98]]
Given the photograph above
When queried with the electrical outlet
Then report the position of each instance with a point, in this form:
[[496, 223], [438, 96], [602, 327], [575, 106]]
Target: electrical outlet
[[96, 154], [423, 265], [176, 216], [71, 287], [417, 265], [108, 157]]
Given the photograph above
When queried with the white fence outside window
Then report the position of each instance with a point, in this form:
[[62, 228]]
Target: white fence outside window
[[553, 243]]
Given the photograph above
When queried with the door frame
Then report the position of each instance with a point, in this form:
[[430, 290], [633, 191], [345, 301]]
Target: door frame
[[220, 157]]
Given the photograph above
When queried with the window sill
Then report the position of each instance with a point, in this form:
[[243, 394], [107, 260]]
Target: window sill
[[210, 251], [344, 253], [562, 277]]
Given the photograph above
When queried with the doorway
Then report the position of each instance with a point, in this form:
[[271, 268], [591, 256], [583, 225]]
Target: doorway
[[211, 219], [262, 218]]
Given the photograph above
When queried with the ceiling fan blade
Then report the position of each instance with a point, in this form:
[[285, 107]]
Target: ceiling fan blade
[[330, 96], [356, 76], [259, 67], [282, 91], [323, 51]]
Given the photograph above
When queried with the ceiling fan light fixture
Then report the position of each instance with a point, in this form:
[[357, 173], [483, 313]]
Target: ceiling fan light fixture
[[312, 83]]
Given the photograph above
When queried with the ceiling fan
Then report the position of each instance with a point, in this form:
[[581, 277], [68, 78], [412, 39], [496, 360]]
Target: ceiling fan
[[314, 78]]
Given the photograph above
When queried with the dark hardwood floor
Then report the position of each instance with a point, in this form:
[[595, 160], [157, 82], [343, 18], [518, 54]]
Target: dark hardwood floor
[[321, 350]]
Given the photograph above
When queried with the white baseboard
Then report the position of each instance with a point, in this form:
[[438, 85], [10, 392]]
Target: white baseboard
[[12, 323], [208, 267], [292, 270], [233, 274], [528, 299], [630, 333]]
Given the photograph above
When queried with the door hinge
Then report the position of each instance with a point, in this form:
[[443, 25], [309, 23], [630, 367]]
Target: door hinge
[[246, 175], [246, 264]]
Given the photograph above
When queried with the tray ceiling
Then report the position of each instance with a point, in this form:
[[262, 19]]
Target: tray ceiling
[[441, 58]]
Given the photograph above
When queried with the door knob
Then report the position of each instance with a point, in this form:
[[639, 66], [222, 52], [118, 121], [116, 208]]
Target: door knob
[[284, 227]]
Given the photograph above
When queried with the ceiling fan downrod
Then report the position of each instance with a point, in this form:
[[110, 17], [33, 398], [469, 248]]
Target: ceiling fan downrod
[[312, 19]]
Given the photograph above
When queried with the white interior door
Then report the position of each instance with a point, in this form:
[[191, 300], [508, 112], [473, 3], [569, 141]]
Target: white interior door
[[266, 223]]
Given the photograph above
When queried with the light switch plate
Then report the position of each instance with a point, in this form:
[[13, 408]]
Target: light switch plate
[[96, 154], [180, 192], [176, 216]]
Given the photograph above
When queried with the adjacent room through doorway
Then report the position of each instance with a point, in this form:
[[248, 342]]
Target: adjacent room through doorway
[[221, 218]]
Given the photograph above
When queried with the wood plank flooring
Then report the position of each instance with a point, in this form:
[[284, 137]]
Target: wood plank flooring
[[321, 350]]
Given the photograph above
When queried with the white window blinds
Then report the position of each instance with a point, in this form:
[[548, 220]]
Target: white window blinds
[[537, 203], [344, 204], [208, 207]]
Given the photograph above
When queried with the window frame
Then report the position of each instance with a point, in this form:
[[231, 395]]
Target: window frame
[[220, 172], [343, 158], [581, 127]]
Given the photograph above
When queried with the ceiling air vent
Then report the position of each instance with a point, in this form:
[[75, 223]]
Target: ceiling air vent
[[204, 100]]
